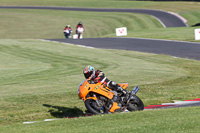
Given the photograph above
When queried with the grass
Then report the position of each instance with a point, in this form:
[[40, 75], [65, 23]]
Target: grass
[[177, 120], [33, 24], [167, 6], [181, 34], [193, 17], [40, 79], [50, 23], [37, 26]]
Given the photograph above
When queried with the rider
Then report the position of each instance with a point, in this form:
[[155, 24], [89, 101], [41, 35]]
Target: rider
[[79, 25], [99, 77], [67, 31]]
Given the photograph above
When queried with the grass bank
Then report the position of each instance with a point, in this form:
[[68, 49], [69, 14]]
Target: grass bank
[[181, 34], [193, 17], [35, 73], [48, 24], [34, 24], [167, 6], [165, 121]]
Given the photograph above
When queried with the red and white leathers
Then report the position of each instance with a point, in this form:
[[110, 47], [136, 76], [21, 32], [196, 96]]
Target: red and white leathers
[[68, 28], [67, 31], [79, 28]]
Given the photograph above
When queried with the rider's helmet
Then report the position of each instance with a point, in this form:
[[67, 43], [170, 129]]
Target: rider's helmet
[[89, 72], [68, 26], [80, 23]]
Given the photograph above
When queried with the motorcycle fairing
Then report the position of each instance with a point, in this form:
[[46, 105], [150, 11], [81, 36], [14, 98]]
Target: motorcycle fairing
[[114, 107], [123, 85], [85, 88]]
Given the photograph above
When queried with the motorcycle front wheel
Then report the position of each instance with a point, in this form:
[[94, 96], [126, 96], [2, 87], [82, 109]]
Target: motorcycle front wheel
[[135, 104], [93, 107]]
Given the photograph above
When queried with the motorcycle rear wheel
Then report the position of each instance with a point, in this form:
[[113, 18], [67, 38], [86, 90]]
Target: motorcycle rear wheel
[[135, 104], [92, 107]]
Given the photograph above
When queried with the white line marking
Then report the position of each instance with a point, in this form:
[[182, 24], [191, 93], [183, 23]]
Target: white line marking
[[31, 122], [68, 43], [159, 21], [159, 40], [180, 17]]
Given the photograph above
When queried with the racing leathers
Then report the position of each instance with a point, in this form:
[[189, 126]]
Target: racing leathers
[[99, 77], [67, 31], [79, 30]]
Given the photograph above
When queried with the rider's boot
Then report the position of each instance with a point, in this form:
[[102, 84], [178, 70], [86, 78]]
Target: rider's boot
[[117, 87]]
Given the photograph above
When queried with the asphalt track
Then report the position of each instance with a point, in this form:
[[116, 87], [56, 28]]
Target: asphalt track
[[167, 19], [180, 49]]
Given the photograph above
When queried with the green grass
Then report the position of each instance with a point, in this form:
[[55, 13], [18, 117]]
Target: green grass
[[33, 24], [50, 23], [171, 120], [36, 73], [39, 80], [181, 34], [193, 17], [168, 6]]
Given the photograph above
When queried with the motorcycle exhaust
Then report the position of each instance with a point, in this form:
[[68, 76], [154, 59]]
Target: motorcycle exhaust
[[135, 89]]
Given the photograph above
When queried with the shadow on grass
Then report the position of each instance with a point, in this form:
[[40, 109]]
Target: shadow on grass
[[62, 112]]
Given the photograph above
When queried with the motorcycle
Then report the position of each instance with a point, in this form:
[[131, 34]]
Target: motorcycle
[[99, 99], [67, 33], [79, 32]]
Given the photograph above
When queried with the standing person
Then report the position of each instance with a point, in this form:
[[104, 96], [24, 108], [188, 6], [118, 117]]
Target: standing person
[[67, 31], [79, 30]]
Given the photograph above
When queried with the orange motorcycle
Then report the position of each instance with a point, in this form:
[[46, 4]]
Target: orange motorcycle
[[99, 99]]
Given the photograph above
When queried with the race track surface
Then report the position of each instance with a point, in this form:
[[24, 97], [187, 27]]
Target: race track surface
[[180, 49], [167, 19]]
